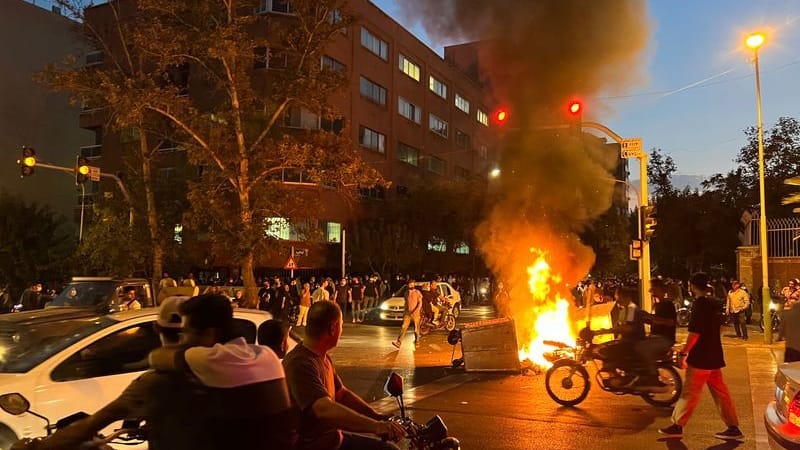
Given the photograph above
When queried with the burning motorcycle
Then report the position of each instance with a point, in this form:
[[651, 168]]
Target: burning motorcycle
[[447, 319], [16, 404], [567, 380], [430, 436]]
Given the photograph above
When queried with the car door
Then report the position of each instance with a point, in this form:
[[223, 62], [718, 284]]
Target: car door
[[95, 373]]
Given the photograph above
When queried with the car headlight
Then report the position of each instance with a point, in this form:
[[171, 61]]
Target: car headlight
[[773, 306], [483, 290], [385, 306]]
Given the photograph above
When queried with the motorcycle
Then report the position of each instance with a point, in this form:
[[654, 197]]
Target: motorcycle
[[16, 404], [775, 318], [430, 436], [448, 321], [684, 313], [567, 380]]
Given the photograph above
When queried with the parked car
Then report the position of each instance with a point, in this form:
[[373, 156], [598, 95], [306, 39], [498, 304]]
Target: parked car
[[782, 416], [393, 308], [67, 360], [103, 294]]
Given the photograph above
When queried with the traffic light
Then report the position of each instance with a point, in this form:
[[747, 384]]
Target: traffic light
[[575, 108], [27, 162], [81, 170], [649, 222], [501, 115]]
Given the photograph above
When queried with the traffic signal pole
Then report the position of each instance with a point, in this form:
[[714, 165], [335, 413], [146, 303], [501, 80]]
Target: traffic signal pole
[[71, 171]]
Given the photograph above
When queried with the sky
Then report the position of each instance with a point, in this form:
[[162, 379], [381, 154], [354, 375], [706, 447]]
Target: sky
[[699, 93]]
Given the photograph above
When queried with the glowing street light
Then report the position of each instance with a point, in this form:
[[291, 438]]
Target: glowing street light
[[494, 173], [754, 41]]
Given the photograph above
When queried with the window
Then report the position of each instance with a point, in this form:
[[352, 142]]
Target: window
[[409, 68], [166, 174], [462, 139], [374, 44], [436, 165], [462, 249], [437, 125], [278, 6], [332, 125], [372, 139], [483, 151], [92, 151], [297, 117], [122, 352], [333, 232], [408, 154], [332, 64], [373, 92], [264, 57], [409, 110], [437, 87], [335, 16], [437, 245], [277, 228], [94, 58], [375, 193], [460, 173], [462, 104], [177, 233], [483, 118]]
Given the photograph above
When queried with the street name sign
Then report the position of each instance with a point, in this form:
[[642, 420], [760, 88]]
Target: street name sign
[[631, 148]]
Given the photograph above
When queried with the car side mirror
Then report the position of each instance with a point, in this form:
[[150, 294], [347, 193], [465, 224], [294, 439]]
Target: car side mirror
[[14, 404], [394, 385]]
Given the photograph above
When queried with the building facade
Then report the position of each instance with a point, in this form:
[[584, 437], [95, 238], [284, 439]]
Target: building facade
[[415, 117]]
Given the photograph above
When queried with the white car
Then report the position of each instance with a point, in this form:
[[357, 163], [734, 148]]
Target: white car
[[782, 416], [67, 360], [393, 308]]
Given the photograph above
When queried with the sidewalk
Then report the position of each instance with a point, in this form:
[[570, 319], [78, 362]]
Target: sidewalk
[[496, 411]]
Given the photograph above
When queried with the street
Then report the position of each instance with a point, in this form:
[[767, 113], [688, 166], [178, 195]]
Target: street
[[513, 411]]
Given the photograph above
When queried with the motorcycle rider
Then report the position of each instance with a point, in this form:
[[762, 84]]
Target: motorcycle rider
[[631, 332], [433, 299]]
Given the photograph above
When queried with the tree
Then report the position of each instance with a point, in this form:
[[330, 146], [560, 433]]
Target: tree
[[110, 247], [233, 131], [121, 86], [34, 243], [660, 169]]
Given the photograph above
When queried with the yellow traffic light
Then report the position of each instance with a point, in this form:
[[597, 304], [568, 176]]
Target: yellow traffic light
[[649, 222], [27, 162], [83, 170]]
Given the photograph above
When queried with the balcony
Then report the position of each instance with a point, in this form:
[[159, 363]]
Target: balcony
[[92, 152]]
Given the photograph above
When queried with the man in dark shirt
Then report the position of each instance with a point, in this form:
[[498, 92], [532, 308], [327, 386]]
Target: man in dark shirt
[[703, 364], [662, 332], [329, 412]]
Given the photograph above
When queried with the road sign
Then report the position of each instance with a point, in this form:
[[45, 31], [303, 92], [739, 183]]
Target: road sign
[[94, 173], [635, 250], [290, 264], [631, 148]]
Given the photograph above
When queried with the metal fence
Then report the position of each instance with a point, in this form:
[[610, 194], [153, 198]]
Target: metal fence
[[783, 236]]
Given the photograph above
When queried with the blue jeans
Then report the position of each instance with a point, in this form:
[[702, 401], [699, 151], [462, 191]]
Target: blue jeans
[[358, 442]]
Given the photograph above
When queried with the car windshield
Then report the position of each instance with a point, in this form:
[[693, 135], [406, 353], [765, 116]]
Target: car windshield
[[24, 346], [86, 293]]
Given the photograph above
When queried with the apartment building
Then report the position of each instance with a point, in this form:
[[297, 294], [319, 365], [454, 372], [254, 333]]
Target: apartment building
[[414, 115]]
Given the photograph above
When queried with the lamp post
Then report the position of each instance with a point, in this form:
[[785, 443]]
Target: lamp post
[[754, 42]]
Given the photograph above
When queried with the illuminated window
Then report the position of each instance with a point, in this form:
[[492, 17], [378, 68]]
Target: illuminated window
[[437, 87], [437, 245], [409, 68], [177, 233], [483, 118], [277, 228], [333, 232], [462, 249], [462, 104]]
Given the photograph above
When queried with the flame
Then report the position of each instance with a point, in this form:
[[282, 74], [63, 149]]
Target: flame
[[550, 312]]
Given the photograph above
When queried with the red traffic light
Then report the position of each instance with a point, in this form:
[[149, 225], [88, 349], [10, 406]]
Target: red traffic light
[[575, 107], [500, 115]]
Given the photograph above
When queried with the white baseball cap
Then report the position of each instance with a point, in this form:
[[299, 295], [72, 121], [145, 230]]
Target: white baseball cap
[[168, 315]]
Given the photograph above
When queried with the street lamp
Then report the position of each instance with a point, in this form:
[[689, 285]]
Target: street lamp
[[754, 41]]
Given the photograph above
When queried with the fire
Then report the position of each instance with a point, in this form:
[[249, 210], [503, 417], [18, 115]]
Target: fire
[[549, 312]]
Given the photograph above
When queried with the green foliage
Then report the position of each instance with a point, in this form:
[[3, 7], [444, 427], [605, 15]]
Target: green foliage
[[110, 247], [35, 243]]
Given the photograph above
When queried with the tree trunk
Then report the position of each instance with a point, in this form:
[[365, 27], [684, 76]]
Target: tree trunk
[[151, 212], [249, 278]]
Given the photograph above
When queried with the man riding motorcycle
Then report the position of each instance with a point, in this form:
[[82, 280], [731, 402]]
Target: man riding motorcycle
[[630, 330]]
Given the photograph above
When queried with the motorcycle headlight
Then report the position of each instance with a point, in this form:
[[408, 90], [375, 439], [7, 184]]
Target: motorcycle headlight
[[385, 306], [773, 306], [483, 290], [686, 303]]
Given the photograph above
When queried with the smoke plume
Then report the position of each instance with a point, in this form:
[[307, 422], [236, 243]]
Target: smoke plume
[[536, 55]]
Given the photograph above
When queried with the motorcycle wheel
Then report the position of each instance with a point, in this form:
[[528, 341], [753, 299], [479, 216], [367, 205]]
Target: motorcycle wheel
[[450, 322], [424, 327], [669, 376], [683, 318], [567, 382]]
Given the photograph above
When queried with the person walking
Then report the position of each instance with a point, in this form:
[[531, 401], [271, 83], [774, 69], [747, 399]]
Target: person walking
[[703, 364], [413, 312], [738, 301], [305, 303]]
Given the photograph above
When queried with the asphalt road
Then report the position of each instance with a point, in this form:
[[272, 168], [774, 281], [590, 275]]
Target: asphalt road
[[513, 411]]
